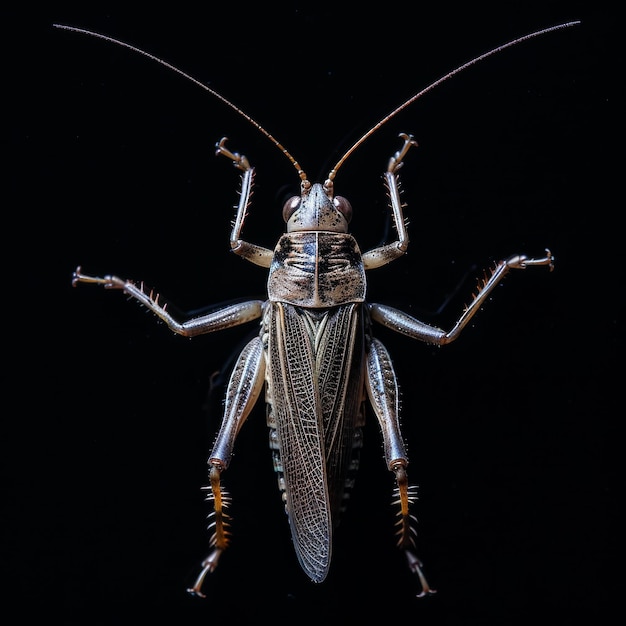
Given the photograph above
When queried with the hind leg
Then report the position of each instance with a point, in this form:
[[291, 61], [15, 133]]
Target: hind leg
[[382, 389], [243, 390]]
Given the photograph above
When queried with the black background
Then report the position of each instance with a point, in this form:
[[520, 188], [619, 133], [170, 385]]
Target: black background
[[511, 431]]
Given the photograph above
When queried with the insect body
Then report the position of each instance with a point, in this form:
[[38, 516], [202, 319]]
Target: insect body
[[317, 359]]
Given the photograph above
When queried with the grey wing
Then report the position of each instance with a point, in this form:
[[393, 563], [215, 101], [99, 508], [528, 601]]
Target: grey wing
[[312, 369], [340, 374]]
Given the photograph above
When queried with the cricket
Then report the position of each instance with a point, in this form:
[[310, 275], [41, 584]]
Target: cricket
[[316, 359]]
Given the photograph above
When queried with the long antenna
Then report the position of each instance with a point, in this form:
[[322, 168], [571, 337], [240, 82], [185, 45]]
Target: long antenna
[[459, 69], [369, 133], [195, 81]]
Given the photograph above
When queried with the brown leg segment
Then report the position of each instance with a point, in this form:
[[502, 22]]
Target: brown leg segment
[[220, 538], [404, 495]]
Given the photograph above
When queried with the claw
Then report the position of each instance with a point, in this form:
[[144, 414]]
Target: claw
[[395, 162], [77, 277], [208, 565], [547, 260], [415, 566], [239, 161], [521, 261]]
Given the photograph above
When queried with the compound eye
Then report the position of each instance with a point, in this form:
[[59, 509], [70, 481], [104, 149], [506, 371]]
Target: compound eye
[[344, 207], [290, 207]]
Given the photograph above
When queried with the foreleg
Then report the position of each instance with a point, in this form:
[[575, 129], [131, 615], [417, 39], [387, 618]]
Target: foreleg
[[385, 254], [256, 254]]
